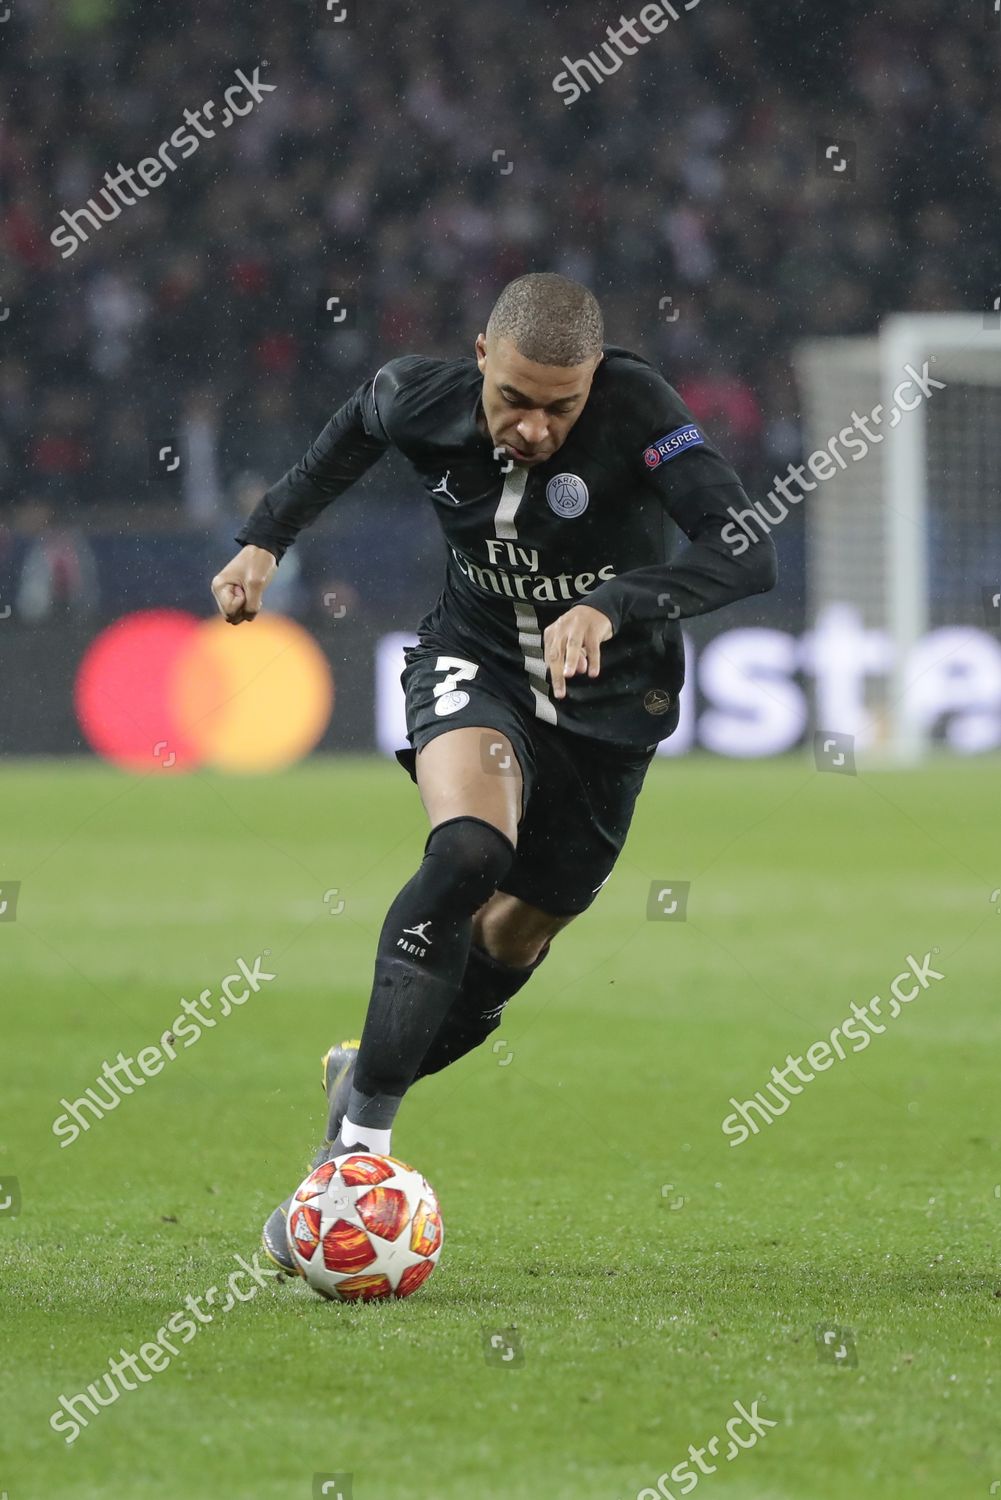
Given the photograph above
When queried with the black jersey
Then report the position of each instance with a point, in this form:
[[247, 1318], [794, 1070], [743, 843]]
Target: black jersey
[[526, 543]]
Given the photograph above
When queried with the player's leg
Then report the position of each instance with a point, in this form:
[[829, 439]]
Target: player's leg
[[510, 940], [569, 840], [425, 941], [574, 827], [514, 933], [423, 947]]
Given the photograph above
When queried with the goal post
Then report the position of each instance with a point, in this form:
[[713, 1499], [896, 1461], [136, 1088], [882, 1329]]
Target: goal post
[[908, 533]]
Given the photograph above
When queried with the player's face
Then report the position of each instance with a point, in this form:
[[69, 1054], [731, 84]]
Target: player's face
[[530, 408]]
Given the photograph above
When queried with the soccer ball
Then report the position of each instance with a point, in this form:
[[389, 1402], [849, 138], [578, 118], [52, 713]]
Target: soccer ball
[[365, 1227]]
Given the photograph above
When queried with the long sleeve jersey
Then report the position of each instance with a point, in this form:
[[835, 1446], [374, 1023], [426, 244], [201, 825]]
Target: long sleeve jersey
[[592, 525]]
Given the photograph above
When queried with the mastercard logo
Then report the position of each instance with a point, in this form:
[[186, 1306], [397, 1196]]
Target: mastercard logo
[[164, 688]]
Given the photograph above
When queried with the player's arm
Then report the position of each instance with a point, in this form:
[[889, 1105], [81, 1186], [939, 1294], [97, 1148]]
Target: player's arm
[[353, 440], [701, 493], [708, 574]]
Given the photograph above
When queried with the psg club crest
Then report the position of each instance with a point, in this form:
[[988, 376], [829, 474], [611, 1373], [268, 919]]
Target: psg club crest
[[567, 495]]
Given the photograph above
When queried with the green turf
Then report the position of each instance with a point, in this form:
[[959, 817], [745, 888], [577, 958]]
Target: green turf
[[655, 1274]]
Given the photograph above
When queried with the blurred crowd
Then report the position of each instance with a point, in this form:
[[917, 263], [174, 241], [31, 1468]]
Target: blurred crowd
[[413, 157]]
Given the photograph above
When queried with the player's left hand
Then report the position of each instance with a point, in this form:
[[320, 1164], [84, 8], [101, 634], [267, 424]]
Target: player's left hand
[[573, 644]]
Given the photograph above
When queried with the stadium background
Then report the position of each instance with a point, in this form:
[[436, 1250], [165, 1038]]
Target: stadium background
[[840, 1267], [412, 189]]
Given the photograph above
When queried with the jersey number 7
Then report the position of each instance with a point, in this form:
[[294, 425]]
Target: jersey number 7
[[457, 670]]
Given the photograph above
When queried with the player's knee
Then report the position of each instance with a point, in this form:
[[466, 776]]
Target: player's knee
[[515, 933], [516, 944], [467, 859], [517, 951]]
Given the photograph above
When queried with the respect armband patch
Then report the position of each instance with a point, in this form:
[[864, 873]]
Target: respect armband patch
[[677, 442]]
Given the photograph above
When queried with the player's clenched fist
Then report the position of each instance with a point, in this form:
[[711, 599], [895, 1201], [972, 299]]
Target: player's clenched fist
[[238, 588], [573, 644]]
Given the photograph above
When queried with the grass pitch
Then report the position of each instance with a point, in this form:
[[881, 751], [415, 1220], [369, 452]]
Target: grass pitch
[[654, 1273]]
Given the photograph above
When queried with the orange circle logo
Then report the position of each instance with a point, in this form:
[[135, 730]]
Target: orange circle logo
[[163, 688]]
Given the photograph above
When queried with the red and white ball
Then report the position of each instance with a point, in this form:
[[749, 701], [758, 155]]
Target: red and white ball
[[365, 1227]]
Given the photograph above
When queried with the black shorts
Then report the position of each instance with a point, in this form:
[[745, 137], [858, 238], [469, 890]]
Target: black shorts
[[577, 794]]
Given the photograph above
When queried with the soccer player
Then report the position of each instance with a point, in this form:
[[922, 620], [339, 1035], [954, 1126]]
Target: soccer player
[[545, 674]]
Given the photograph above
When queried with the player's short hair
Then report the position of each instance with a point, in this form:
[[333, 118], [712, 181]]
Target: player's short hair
[[549, 319]]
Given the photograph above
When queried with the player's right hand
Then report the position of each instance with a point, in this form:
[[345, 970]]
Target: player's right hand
[[238, 587]]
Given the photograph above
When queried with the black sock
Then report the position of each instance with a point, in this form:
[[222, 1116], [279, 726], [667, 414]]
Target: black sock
[[421, 958], [487, 986]]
